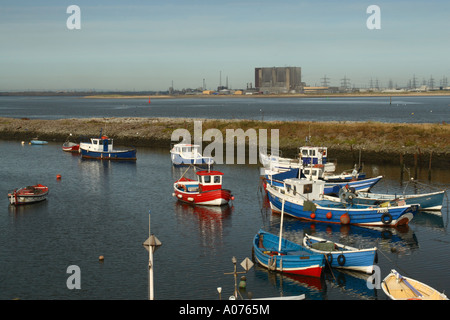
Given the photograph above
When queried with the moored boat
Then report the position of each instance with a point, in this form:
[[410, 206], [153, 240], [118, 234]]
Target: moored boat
[[286, 256], [206, 190], [188, 154], [398, 287], [331, 187], [102, 148], [29, 194], [426, 201], [70, 146], [304, 200], [342, 256], [38, 142]]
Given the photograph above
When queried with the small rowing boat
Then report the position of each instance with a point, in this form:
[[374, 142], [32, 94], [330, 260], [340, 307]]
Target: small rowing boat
[[341, 256], [29, 194], [398, 287]]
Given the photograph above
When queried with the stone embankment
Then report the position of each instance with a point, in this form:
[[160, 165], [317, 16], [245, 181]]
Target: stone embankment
[[378, 142]]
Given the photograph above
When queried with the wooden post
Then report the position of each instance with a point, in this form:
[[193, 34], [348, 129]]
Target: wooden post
[[401, 168], [429, 166], [415, 165]]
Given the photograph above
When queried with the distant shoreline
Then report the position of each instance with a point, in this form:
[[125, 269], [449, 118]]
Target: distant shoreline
[[130, 95], [293, 95]]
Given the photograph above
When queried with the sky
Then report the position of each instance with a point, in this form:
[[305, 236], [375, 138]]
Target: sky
[[148, 45]]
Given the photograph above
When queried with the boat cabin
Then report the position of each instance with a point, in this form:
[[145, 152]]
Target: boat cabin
[[304, 188], [312, 173], [313, 155], [186, 149], [209, 180], [103, 144]]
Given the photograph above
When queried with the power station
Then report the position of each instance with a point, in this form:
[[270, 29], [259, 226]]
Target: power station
[[278, 80]]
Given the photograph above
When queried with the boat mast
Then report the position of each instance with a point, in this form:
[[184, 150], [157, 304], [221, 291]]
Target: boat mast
[[281, 226]]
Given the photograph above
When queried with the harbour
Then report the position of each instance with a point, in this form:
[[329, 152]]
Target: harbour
[[101, 208]]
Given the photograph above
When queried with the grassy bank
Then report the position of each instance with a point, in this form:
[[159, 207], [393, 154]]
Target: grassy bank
[[378, 142]]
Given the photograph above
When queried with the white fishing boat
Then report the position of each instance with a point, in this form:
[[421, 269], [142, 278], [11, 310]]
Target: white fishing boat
[[183, 154]]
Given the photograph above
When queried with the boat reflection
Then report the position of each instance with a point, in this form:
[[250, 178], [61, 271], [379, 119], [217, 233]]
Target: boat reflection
[[211, 221]]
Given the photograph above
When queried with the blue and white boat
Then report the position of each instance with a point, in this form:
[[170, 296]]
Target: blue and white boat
[[331, 187], [426, 201], [303, 199], [341, 256], [102, 148], [286, 256], [308, 156], [183, 154]]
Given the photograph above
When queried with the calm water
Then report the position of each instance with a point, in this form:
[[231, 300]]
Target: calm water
[[402, 109], [101, 208]]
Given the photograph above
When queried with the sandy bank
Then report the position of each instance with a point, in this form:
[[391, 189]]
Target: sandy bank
[[386, 142], [262, 96]]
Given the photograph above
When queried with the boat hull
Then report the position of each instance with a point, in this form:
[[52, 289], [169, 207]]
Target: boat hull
[[217, 197], [427, 201], [28, 195], [178, 160], [336, 212], [71, 147], [112, 155], [343, 257], [292, 258]]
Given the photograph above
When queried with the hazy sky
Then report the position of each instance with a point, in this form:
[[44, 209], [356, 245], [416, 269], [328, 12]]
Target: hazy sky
[[145, 45]]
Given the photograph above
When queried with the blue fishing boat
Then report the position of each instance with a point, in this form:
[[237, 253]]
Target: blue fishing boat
[[102, 148], [331, 187], [308, 156], [304, 200], [286, 256], [341, 256], [426, 201], [183, 154]]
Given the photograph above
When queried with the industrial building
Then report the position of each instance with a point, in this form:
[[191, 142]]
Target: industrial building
[[278, 80]]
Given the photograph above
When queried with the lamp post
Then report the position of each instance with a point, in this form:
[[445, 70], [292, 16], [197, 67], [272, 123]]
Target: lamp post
[[151, 244]]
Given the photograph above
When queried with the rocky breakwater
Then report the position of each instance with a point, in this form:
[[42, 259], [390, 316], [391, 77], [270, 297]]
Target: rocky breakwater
[[385, 142]]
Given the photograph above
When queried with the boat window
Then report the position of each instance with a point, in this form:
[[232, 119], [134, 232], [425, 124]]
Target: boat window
[[312, 152], [305, 152], [307, 172], [217, 179], [314, 172], [307, 188], [206, 179]]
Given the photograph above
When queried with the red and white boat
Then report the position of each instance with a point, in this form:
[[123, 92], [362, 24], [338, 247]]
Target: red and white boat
[[29, 194], [206, 190], [71, 147]]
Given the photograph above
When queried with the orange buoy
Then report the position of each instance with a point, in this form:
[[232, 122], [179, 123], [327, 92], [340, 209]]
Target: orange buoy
[[312, 215], [329, 215], [101, 258], [58, 176], [345, 218]]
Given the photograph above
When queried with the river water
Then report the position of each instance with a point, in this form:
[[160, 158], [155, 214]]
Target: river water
[[400, 109], [102, 208]]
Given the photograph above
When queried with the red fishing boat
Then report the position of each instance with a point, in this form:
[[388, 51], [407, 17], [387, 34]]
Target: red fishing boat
[[29, 194], [206, 190]]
